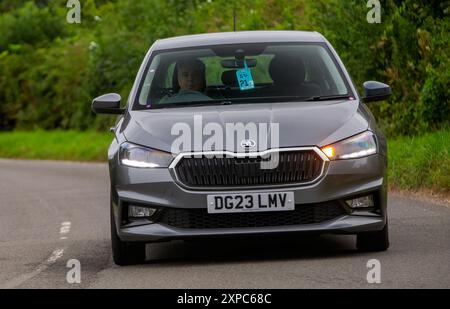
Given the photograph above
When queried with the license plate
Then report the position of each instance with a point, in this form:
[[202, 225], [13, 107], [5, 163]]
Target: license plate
[[248, 202]]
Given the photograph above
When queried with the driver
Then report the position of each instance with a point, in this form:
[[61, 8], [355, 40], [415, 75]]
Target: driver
[[191, 80]]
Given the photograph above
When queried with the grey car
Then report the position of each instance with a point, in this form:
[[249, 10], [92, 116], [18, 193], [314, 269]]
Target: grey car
[[186, 162]]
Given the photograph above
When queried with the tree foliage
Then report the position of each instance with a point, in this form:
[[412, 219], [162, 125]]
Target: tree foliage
[[50, 70]]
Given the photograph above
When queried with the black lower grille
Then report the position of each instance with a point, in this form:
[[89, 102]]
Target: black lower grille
[[200, 219], [299, 166]]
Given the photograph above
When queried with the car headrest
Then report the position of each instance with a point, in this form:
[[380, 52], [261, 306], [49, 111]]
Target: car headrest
[[287, 70], [229, 78]]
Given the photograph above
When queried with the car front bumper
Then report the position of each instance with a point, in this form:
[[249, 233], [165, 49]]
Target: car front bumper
[[156, 188]]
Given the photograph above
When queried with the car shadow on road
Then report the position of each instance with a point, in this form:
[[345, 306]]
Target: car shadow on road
[[250, 249]]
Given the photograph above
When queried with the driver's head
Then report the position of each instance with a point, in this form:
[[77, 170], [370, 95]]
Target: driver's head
[[191, 74]]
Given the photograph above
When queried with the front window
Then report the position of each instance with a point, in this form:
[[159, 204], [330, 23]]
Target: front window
[[244, 73]]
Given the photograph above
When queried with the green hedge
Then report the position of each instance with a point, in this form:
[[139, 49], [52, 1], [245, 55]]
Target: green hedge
[[50, 70]]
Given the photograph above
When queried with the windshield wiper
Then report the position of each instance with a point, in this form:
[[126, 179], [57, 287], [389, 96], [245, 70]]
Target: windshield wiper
[[229, 101], [289, 98], [328, 97], [193, 103], [267, 99]]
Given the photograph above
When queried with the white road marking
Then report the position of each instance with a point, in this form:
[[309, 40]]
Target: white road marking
[[56, 255], [15, 282], [64, 229]]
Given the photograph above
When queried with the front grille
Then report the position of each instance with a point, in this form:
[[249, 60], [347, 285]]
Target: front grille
[[294, 167], [200, 219]]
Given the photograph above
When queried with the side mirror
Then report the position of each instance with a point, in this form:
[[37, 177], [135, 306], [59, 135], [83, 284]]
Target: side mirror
[[376, 91], [107, 104]]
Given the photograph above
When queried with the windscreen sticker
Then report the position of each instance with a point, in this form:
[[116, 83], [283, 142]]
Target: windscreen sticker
[[245, 79]]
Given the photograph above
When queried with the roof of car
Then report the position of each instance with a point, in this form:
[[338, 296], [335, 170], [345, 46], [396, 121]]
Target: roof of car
[[239, 37]]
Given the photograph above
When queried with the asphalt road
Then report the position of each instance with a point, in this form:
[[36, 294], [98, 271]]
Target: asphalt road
[[52, 212]]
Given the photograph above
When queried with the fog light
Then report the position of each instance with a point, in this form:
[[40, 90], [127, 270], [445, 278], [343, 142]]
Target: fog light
[[140, 212], [361, 202]]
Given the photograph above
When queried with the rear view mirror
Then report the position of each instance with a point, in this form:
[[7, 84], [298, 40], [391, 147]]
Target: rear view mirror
[[234, 64], [107, 104], [376, 91]]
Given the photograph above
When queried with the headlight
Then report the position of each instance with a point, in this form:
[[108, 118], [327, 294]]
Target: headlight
[[358, 146], [138, 156]]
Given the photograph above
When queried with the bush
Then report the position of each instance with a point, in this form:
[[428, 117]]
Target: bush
[[50, 70], [409, 50], [30, 24]]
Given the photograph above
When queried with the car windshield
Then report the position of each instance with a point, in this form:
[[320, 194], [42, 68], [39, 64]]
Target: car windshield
[[244, 73]]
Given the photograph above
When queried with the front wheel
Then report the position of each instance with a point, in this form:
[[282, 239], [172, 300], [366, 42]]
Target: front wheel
[[125, 253], [373, 241]]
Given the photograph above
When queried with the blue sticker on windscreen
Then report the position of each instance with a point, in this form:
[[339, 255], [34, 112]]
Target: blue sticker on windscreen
[[244, 77]]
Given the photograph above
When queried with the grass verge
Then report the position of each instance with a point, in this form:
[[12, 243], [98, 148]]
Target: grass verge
[[421, 162], [55, 145]]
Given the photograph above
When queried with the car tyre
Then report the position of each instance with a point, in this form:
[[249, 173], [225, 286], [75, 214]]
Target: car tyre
[[125, 253], [373, 241]]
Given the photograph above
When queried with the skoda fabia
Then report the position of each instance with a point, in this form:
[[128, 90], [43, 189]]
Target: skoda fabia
[[245, 133]]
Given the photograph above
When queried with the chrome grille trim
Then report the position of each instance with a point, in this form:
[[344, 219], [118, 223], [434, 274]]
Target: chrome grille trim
[[180, 156]]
